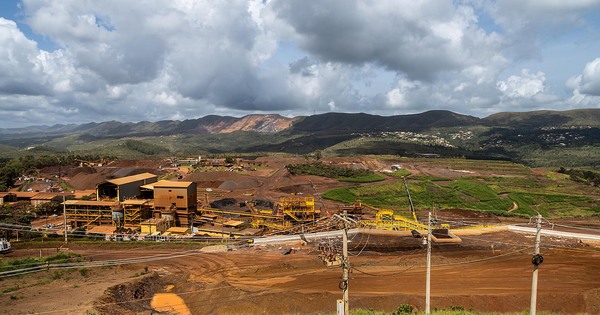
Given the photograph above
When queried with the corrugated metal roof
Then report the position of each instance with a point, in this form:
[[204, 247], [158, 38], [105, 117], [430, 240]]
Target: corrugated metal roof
[[148, 186], [45, 196], [50, 195], [25, 194], [131, 179], [102, 229], [170, 183]]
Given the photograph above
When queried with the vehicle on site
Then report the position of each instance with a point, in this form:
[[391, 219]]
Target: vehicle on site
[[4, 246]]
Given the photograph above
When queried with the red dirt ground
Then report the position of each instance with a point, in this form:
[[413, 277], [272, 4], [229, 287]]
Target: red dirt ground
[[264, 281], [388, 272]]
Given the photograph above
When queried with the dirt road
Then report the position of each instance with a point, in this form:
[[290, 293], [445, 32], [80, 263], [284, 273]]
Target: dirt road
[[262, 280]]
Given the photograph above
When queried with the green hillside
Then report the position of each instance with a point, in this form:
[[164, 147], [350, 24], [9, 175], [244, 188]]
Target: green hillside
[[521, 193]]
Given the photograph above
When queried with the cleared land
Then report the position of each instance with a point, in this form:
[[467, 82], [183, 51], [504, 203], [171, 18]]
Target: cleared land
[[387, 271], [263, 280]]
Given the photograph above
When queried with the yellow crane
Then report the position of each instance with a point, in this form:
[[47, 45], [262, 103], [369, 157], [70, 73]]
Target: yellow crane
[[412, 208]]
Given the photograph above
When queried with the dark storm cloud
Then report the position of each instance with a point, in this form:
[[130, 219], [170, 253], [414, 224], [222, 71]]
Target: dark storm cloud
[[137, 59], [396, 35], [303, 66]]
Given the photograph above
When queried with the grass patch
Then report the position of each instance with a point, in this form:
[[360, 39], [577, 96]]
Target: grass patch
[[475, 193], [476, 190], [57, 274], [362, 179], [11, 289], [341, 194], [400, 173], [430, 178], [554, 205], [13, 264]]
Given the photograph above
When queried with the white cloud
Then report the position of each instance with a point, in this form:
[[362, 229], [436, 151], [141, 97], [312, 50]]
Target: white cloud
[[586, 86], [134, 60], [589, 81], [21, 72], [525, 86]]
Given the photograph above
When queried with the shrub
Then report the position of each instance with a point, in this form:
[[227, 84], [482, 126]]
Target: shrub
[[403, 309]]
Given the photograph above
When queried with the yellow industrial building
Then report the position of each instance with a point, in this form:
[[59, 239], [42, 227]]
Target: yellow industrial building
[[138, 201]]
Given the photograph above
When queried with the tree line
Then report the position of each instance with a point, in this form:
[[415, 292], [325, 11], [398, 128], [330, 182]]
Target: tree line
[[320, 169], [582, 176], [11, 169]]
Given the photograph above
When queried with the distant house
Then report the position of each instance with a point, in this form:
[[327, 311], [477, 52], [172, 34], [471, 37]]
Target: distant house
[[25, 195], [42, 198]]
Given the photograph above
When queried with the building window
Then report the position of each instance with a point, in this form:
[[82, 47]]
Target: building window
[[179, 197]]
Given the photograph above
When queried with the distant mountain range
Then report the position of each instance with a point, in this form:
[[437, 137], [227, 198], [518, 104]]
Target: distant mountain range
[[332, 123], [209, 124], [534, 138]]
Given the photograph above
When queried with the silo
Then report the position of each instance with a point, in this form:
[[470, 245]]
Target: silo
[[118, 216]]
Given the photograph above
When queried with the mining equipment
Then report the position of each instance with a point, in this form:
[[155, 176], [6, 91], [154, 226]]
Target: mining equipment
[[288, 213], [412, 208], [300, 210], [384, 219], [387, 220]]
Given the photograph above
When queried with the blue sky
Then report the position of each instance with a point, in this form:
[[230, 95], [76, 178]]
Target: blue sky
[[76, 61]]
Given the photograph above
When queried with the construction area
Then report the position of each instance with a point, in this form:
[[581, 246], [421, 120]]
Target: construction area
[[260, 241], [142, 206]]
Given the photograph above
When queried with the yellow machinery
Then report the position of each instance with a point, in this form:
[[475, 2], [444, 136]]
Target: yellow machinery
[[387, 220], [290, 211], [300, 210]]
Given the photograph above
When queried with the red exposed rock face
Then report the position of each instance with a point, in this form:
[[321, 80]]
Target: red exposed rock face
[[258, 123]]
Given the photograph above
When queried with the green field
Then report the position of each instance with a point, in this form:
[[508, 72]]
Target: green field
[[548, 193]]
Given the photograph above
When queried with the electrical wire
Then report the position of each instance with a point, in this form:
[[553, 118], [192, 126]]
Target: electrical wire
[[364, 246]]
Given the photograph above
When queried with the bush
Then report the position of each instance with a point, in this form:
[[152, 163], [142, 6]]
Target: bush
[[403, 309], [340, 173]]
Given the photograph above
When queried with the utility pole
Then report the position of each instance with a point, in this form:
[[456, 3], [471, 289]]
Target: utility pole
[[343, 307], [63, 198], [428, 276], [536, 261], [346, 266], [65, 218]]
